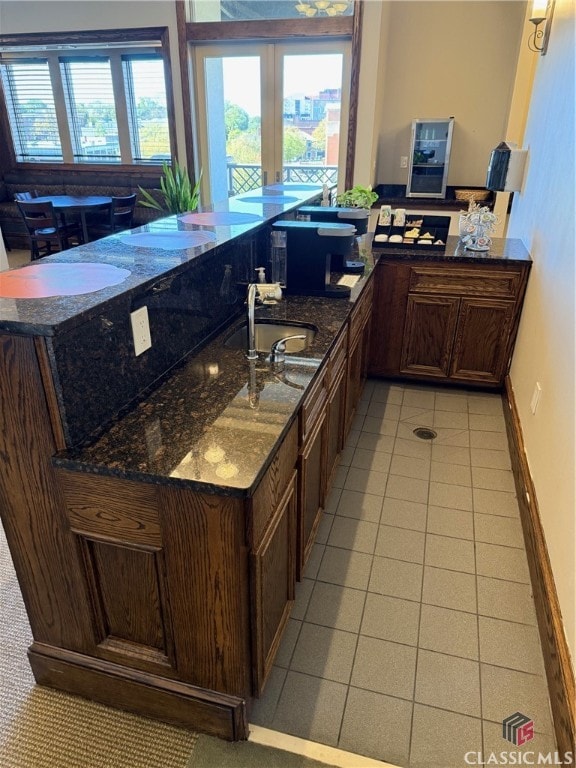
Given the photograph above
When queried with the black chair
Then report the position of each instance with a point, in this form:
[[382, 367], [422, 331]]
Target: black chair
[[118, 219], [47, 234], [19, 196]]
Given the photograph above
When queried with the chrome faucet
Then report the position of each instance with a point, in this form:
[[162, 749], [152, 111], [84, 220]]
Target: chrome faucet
[[252, 354], [278, 351]]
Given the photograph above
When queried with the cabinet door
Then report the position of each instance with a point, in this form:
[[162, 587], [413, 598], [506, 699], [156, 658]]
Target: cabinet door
[[273, 577], [354, 381], [335, 426], [482, 346], [311, 481], [429, 335]]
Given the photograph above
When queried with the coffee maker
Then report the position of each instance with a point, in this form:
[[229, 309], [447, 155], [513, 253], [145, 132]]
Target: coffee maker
[[312, 247], [357, 217]]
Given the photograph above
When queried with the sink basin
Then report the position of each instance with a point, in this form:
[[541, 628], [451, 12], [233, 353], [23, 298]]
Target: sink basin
[[267, 333]]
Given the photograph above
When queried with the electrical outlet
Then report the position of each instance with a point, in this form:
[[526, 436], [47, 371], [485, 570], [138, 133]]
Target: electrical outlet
[[140, 330], [403, 161], [535, 397]]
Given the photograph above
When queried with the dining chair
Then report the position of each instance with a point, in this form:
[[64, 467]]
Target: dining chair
[[119, 216], [25, 195], [47, 234]]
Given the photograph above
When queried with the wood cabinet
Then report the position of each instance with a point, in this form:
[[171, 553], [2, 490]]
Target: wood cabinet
[[358, 353], [446, 322], [336, 403]]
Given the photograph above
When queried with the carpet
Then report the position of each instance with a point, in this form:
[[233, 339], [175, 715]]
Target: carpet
[[210, 752]]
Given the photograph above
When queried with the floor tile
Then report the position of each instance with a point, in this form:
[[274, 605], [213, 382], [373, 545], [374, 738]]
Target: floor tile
[[366, 481], [358, 422], [493, 459], [493, 479], [454, 474], [449, 495], [489, 440], [458, 438], [371, 442], [506, 600], [396, 578], [407, 488], [421, 398], [419, 449], [390, 411], [495, 502], [324, 652], [450, 454], [264, 708], [353, 437], [333, 500], [344, 567], [348, 533], [506, 644], [488, 406], [492, 529], [365, 459], [310, 708], [404, 514], [361, 506], [377, 426], [440, 739], [502, 563], [346, 455], [334, 606], [314, 560], [447, 631], [303, 593], [406, 430], [449, 589], [394, 678], [450, 402], [451, 554], [400, 544], [487, 423], [387, 393], [505, 691], [339, 477], [377, 726], [288, 643], [448, 682], [450, 522], [423, 417], [540, 744], [450, 419], [390, 618], [410, 466], [324, 528]]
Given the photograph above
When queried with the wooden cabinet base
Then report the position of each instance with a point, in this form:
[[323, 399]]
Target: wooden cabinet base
[[139, 692]]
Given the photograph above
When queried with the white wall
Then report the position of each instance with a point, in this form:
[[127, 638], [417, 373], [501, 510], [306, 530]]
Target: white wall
[[543, 217]]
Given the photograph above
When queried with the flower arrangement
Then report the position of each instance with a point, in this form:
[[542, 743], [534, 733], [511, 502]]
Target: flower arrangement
[[476, 225]]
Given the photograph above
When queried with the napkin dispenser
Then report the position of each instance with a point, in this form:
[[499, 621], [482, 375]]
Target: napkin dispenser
[[311, 248]]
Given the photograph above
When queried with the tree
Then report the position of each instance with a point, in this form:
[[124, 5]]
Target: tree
[[319, 136], [294, 144], [235, 118], [150, 109]]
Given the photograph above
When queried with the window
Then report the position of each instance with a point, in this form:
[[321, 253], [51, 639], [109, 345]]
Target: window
[[106, 105]]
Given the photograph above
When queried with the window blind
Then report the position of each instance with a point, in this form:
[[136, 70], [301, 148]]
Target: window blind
[[148, 115]]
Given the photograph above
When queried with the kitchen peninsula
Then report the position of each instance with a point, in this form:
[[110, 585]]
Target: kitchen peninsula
[[159, 507]]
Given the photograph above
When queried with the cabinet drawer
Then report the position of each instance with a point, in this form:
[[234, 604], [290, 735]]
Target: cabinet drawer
[[313, 405], [466, 282], [337, 359]]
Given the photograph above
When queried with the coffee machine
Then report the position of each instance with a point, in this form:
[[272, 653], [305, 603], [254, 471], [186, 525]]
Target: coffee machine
[[312, 247], [357, 217]]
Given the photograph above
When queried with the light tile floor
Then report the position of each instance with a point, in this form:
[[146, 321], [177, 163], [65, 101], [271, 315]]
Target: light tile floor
[[414, 633]]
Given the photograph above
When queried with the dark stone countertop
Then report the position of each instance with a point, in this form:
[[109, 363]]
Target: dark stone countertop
[[216, 421], [503, 250]]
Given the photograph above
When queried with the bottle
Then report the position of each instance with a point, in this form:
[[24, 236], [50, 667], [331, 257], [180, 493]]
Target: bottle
[[278, 256], [261, 274]]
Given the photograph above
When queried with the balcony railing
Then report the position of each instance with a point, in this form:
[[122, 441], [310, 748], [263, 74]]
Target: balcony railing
[[246, 176]]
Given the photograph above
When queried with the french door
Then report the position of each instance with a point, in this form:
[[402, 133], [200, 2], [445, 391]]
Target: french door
[[270, 113]]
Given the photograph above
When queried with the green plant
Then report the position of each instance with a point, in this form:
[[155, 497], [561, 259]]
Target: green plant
[[357, 197], [179, 194]]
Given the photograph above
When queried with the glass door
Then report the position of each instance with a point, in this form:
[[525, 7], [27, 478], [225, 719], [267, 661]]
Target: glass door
[[270, 113]]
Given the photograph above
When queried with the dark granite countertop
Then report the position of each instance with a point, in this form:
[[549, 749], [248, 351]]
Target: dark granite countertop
[[502, 250], [215, 422]]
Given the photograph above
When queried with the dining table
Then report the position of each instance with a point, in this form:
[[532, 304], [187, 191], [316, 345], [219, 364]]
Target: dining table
[[81, 204]]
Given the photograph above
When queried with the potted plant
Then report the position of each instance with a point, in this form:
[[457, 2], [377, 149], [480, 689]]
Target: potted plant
[[476, 226], [357, 197], [180, 196]]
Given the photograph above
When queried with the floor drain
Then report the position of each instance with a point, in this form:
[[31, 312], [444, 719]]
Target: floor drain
[[424, 433]]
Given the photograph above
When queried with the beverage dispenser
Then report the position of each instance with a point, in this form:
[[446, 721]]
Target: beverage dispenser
[[357, 217]]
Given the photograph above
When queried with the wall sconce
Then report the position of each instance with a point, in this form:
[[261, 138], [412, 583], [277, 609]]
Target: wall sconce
[[329, 7], [542, 13]]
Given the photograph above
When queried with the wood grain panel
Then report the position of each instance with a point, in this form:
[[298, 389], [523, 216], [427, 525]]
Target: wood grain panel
[[271, 488], [311, 486], [557, 661], [313, 406], [270, 29], [119, 510], [502, 283], [273, 577], [429, 335], [46, 557], [207, 576], [388, 316]]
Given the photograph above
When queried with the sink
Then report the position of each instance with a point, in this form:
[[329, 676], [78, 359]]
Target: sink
[[267, 333]]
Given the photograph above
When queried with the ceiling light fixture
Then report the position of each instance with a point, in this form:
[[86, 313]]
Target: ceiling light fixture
[[542, 13], [329, 7]]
